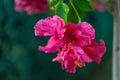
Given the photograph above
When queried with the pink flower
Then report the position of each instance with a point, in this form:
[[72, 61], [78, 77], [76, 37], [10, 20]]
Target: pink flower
[[74, 42], [98, 6], [31, 6]]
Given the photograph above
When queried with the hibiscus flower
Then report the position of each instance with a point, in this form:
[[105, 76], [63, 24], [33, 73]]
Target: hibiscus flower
[[75, 43], [31, 6]]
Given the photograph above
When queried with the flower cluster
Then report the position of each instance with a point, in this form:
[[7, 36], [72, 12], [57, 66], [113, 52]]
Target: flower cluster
[[75, 43], [31, 6]]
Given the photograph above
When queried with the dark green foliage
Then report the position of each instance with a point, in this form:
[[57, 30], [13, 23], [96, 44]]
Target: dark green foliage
[[71, 9], [21, 60], [83, 5], [72, 17]]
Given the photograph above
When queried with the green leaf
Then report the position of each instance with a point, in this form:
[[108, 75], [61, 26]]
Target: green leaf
[[62, 10], [72, 17], [83, 5]]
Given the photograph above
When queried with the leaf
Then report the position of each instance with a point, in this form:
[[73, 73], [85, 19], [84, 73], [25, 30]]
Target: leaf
[[83, 5], [72, 17], [62, 10], [52, 2]]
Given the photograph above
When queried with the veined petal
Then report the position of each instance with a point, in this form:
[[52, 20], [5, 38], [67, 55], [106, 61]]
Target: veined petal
[[52, 45], [86, 29], [43, 28], [81, 55], [50, 27], [95, 50], [68, 62]]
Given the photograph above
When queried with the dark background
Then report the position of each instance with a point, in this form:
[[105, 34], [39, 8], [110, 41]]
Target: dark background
[[21, 60]]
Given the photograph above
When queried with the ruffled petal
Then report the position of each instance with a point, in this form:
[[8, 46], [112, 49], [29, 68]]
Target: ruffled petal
[[81, 55], [44, 27], [95, 50], [50, 27], [86, 29], [69, 61], [52, 45]]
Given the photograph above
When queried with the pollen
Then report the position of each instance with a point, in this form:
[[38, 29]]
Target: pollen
[[78, 64]]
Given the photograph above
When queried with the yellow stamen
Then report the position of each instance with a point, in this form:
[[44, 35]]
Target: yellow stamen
[[78, 64], [70, 47]]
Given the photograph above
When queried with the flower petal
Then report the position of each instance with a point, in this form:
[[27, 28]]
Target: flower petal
[[87, 29], [81, 55], [52, 46], [95, 50], [50, 27]]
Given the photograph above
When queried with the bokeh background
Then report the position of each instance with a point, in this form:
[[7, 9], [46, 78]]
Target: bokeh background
[[21, 60]]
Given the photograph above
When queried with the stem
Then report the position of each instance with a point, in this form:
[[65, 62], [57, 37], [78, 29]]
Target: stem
[[60, 1], [79, 19], [116, 41]]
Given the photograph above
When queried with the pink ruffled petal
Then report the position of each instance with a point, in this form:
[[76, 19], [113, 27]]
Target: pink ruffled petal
[[96, 51], [81, 55], [52, 46], [50, 27], [43, 28], [81, 39], [87, 29], [68, 62]]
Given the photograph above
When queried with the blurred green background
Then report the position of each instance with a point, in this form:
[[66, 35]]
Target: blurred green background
[[21, 60]]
